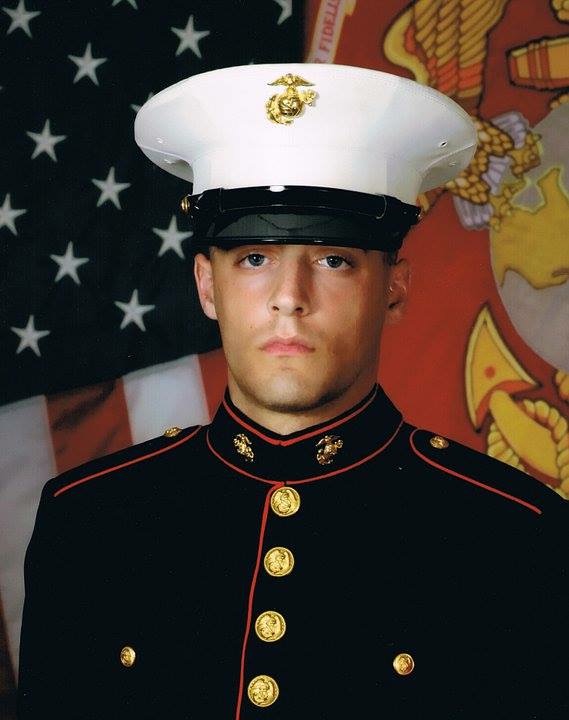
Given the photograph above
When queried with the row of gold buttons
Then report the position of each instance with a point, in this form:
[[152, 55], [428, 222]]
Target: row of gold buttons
[[270, 626]]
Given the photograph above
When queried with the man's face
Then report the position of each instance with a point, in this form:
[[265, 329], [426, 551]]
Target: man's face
[[300, 324]]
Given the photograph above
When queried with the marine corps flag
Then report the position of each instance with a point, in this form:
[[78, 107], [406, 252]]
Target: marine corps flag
[[483, 353]]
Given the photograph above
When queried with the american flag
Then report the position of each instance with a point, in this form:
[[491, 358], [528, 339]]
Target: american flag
[[103, 340]]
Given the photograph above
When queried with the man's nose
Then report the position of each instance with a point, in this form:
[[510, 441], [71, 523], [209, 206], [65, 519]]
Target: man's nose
[[290, 294]]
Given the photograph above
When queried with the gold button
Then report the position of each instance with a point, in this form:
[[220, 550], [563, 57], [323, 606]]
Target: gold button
[[438, 442], [270, 626], [285, 501], [263, 690], [172, 432], [403, 664], [279, 561], [128, 656]]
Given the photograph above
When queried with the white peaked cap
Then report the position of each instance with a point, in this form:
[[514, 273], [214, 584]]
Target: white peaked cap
[[365, 131]]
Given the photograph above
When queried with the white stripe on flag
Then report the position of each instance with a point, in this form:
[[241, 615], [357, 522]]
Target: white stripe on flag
[[26, 464], [161, 396]]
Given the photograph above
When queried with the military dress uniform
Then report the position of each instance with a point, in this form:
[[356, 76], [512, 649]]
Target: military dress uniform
[[358, 568]]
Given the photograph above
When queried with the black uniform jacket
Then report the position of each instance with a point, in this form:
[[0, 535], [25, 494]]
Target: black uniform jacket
[[361, 568]]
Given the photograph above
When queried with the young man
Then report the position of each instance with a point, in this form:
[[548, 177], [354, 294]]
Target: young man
[[308, 554]]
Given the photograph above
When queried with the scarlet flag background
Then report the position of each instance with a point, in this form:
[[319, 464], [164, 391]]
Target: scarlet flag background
[[483, 353], [104, 345]]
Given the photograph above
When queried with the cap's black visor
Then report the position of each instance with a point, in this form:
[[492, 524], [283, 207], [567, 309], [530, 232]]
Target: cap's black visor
[[299, 215]]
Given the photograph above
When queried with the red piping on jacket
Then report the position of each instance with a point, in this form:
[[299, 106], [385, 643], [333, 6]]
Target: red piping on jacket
[[125, 464], [251, 596], [471, 480], [310, 479], [292, 441]]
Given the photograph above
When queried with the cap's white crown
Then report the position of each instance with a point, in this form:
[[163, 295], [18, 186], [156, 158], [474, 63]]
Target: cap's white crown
[[366, 130]]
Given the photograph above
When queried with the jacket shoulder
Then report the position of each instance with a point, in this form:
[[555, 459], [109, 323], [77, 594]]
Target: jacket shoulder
[[483, 472], [108, 465]]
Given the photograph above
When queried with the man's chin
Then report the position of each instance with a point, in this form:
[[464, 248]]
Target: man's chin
[[289, 392]]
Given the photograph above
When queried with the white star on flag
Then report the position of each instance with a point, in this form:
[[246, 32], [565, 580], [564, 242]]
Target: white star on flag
[[172, 238], [20, 18], [110, 189], [29, 336], [189, 37], [132, 3], [87, 65], [286, 10], [8, 215], [45, 141], [136, 108], [68, 264], [133, 311]]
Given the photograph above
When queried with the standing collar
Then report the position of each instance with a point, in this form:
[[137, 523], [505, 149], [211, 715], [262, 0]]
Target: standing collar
[[329, 448]]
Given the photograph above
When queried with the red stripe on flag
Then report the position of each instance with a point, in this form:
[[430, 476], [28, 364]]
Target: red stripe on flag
[[214, 375], [87, 423]]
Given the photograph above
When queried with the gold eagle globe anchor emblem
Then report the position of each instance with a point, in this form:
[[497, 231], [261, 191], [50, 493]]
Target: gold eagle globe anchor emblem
[[284, 107], [243, 446], [327, 448]]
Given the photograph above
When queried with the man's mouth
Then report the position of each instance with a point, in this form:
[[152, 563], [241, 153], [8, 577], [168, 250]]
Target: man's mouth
[[287, 346]]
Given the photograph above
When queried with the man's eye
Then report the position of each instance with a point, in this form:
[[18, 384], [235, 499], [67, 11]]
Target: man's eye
[[335, 261], [253, 260]]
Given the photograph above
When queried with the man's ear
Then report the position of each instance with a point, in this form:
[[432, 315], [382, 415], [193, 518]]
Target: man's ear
[[398, 279], [204, 283]]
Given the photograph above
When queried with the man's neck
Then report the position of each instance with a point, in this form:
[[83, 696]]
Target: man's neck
[[285, 423]]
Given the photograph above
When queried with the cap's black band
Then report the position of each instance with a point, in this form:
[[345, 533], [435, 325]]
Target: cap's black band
[[299, 215]]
